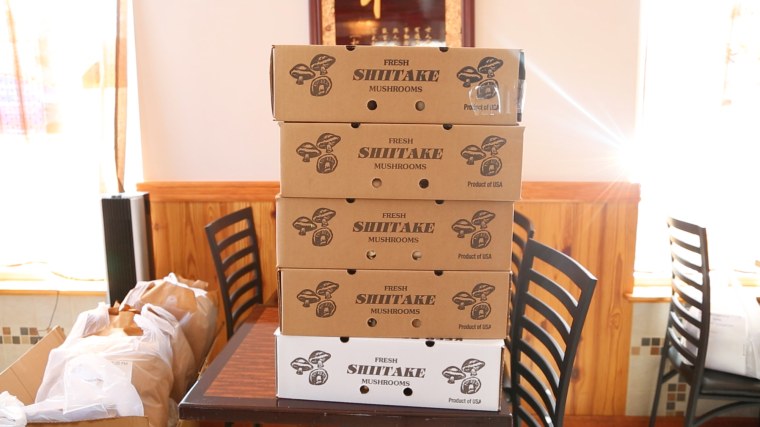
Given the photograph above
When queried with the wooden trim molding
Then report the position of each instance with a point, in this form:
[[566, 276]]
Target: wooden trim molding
[[560, 191], [210, 191], [532, 191]]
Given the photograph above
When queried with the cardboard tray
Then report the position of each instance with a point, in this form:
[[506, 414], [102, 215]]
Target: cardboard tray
[[24, 376]]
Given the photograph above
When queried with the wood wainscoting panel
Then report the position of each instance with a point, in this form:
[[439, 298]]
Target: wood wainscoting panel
[[593, 222], [180, 212]]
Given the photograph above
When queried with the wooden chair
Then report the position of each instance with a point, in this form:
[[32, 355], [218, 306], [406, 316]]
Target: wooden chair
[[235, 251], [687, 333], [553, 297]]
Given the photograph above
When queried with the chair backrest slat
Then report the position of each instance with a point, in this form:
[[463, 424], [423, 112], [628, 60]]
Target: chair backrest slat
[[549, 343]]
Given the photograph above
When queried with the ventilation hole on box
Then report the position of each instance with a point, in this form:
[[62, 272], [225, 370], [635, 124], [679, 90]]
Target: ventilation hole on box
[[372, 105], [417, 255], [407, 391], [429, 343], [350, 200], [371, 254], [448, 126], [364, 389], [416, 323], [355, 125], [419, 105], [351, 271], [439, 202], [424, 183], [350, 48], [343, 339], [443, 49], [371, 322], [438, 272], [377, 182]]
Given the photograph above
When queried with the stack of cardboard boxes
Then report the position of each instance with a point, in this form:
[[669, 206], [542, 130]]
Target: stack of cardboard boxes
[[399, 171]]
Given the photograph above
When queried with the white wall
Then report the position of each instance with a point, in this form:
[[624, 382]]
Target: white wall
[[582, 70], [204, 95], [203, 78]]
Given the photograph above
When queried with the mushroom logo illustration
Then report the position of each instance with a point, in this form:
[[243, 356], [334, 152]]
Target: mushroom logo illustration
[[326, 163], [484, 89], [320, 86], [489, 147], [314, 365], [318, 223], [324, 290], [480, 238], [471, 384], [479, 294]]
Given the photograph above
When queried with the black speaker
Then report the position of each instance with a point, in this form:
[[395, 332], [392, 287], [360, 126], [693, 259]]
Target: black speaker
[[128, 242]]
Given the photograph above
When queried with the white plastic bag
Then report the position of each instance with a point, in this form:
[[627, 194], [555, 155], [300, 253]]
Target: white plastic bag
[[133, 343], [11, 411], [91, 388], [183, 362], [190, 303]]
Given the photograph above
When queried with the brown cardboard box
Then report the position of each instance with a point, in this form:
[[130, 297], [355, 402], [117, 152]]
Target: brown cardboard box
[[377, 234], [392, 161], [384, 84], [24, 376], [394, 303]]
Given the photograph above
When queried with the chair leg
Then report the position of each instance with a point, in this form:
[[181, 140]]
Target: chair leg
[[691, 408], [658, 387]]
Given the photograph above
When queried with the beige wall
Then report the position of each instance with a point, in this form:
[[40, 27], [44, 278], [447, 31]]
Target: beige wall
[[204, 95]]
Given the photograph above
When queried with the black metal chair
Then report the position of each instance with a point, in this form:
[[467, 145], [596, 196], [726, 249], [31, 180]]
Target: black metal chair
[[687, 333], [235, 251], [548, 320]]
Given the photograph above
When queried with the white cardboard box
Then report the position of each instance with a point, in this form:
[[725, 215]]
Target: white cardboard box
[[454, 374]]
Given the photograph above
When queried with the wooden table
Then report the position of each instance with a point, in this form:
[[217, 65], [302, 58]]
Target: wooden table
[[239, 385]]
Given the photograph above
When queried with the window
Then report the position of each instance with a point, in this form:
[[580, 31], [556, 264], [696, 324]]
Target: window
[[57, 103], [700, 131]]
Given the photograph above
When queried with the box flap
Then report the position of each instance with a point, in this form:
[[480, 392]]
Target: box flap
[[24, 376], [271, 80]]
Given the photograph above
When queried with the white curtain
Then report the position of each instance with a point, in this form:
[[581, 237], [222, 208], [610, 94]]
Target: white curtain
[[57, 130], [699, 145]]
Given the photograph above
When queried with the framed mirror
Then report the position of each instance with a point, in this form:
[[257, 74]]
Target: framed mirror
[[392, 22]]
